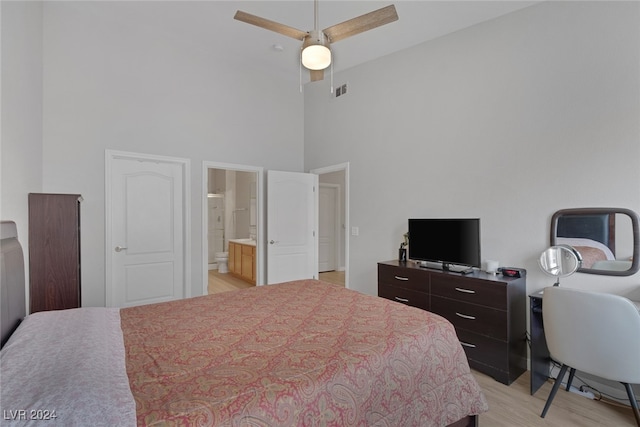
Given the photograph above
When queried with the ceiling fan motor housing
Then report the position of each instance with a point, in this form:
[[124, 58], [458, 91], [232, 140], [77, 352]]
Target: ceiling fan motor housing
[[316, 54]]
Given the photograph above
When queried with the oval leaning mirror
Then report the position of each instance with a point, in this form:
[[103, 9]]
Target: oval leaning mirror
[[607, 239], [560, 261]]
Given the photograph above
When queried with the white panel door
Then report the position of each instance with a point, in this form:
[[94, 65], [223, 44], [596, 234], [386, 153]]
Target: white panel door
[[291, 225], [147, 218], [327, 227]]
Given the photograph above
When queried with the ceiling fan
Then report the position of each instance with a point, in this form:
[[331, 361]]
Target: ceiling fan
[[316, 52]]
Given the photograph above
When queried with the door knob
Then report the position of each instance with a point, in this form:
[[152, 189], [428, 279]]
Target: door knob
[[271, 242], [120, 248]]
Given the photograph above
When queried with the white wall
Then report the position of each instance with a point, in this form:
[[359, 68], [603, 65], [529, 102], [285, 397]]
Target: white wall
[[109, 84], [21, 137], [463, 125], [509, 121]]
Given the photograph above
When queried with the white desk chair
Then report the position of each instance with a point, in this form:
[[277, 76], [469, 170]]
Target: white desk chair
[[593, 332]]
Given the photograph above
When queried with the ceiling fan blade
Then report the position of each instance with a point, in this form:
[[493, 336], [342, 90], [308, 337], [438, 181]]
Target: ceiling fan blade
[[316, 75], [270, 25], [361, 23]]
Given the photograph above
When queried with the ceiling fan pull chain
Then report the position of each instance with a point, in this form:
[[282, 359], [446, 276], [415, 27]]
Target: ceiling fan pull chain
[[300, 72], [331, 76]]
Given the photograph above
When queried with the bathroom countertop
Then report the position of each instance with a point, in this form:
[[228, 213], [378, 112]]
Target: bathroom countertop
[[249, 242]]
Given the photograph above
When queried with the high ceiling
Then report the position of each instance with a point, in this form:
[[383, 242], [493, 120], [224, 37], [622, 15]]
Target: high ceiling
[[211, 24]]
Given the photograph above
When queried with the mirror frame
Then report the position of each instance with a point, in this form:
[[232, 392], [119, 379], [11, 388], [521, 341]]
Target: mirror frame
[[635, 264]]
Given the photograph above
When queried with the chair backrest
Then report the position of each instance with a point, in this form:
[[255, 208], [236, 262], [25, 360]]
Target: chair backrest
[[594, 332]]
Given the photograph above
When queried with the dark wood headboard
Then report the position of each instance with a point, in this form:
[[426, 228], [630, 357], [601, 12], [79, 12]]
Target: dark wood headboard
[[12, 286]]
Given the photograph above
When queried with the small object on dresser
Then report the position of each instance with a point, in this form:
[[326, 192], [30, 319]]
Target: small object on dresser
[[512, 272], [402, 253], [492, 266]]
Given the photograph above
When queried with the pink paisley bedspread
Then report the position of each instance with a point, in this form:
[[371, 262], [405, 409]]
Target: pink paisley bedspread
[[590, 255], [302, 353]]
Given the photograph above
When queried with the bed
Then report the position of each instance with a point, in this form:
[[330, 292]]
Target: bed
[[595, 255], [592, 251], [302, 353]]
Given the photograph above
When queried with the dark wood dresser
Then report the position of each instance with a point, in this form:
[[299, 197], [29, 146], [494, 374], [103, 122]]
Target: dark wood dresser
[[488, 312], [54, 251]]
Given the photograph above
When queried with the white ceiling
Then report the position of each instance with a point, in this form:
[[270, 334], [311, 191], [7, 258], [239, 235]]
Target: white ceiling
[[211, 24]]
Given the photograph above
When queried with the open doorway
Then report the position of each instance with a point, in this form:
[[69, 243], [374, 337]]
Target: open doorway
[[333, 223], [232, 218]]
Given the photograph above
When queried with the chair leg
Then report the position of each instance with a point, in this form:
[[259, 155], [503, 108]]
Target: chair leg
[[572, 373], [554, 390], [633, 401]]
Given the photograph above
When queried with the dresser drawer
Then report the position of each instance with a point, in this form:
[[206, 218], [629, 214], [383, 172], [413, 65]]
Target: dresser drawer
[[475, 318], [488, 351], [403, 295], [409, 278], [474, 291]]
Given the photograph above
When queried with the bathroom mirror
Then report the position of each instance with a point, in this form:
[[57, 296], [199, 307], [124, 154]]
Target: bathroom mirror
[[607, 239]]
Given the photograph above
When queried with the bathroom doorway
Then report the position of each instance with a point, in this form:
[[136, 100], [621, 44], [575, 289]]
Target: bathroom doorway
[[232, 218], [333, 223]]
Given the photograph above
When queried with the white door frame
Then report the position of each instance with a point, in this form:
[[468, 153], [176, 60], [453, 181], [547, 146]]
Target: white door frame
[[345, 199], [260, 226], [185, 164]]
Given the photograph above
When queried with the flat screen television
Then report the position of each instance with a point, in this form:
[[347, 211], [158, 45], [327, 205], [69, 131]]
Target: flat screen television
[[447, 241]]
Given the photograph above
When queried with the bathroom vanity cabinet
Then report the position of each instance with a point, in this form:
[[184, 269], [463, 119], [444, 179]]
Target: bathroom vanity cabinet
[[242, 261]]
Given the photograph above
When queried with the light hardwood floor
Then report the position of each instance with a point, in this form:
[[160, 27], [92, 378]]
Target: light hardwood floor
[[225, 282], [336, 277], [511, 406]]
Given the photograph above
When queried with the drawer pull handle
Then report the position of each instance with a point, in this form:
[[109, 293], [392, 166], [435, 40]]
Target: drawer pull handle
[[466, 344], [401, 278], [466, 291], [465, 316], [401, 299]]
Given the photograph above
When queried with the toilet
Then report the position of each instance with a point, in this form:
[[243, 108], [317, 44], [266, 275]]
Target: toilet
[[222, 258]]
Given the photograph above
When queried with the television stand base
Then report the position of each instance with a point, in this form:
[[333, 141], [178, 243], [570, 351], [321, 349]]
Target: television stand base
[[446, 267], [460, 270]]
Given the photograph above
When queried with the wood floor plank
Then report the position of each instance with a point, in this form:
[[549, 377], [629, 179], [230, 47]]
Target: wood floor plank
[[225, 282], [336, 277], [219, 282], [512, 405]]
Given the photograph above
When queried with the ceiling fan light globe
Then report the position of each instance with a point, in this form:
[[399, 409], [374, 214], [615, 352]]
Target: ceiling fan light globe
[[316, 57]]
